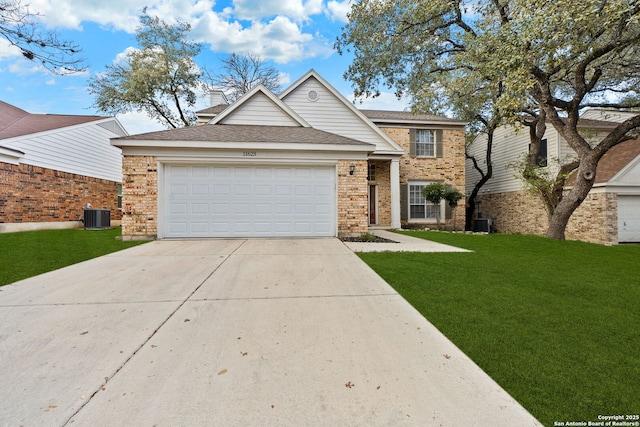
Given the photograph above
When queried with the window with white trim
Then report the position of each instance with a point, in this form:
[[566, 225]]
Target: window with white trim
[[419, 207], [425, 143]]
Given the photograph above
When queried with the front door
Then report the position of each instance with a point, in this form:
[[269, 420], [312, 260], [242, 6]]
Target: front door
[[373, 205]]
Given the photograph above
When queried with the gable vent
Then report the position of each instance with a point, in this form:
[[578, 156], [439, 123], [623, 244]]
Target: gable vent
[[312, 96]]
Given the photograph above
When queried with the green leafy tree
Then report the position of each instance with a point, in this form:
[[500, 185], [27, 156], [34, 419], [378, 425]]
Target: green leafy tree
[[435, 193], [19, 27], [554, 58], [159, 78]]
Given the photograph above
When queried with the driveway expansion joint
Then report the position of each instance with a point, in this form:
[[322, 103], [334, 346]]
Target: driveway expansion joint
[[146, 341]]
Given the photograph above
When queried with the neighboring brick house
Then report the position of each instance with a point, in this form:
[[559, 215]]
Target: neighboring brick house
[[305, 162], [609, 215], [51, 166]]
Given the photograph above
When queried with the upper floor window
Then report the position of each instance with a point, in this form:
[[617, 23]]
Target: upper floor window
[[425, 143]]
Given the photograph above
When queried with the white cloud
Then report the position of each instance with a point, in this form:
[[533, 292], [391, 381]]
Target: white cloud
[[137, 122], [280, 39], [299, 10], [284, 79], [337, 10], [7, 50], [386, 101], [273, 29]]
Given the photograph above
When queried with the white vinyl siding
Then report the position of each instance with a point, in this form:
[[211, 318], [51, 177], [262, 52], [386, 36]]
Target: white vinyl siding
[[329, 114], [219, 200], [259, 110], [83, 150]]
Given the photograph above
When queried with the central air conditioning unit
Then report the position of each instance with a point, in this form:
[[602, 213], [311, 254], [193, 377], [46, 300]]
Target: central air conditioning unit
[[97, 219], [482, 225]]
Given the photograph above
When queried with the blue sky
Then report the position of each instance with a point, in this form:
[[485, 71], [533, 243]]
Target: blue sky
[[292, 35]]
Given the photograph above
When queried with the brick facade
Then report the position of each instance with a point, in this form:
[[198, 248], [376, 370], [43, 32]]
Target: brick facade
[[595, 220], [519, 212], [352, 198], [32, 194], [140, 197], [450, 168]]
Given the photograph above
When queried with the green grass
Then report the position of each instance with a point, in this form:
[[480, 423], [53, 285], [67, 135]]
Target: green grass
[[30, 253], [557, 324]]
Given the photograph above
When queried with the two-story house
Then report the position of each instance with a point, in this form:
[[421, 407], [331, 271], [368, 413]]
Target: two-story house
[[609, 215], [305, 162]]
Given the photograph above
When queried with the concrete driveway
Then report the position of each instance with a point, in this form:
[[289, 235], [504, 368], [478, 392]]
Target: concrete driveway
[[232, 333]]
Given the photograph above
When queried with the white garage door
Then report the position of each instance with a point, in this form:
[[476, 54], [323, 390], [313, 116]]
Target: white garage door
[[248, 201], [628, 219]]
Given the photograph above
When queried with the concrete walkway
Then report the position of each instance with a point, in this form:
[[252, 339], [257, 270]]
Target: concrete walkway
[[402, 243], [232, 333]]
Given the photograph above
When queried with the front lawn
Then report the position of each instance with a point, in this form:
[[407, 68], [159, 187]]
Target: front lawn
[[557, 324], [30, 253]]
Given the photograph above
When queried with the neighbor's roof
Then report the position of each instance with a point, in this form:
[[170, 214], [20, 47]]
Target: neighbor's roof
[[214, 110], [385, 116], [16, 122], [245, 133], [613, 161]]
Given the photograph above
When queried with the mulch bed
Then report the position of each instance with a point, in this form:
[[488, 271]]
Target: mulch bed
[[363, 240]]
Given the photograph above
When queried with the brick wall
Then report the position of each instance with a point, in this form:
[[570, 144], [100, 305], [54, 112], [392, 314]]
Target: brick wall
[[450, 168], [352, 198], [34, 194], [595, 220], [140, 197], [519, 212]]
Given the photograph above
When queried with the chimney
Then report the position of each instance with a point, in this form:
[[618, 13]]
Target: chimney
[[217, 97]]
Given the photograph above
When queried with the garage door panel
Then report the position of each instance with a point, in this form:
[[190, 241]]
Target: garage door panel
[[200, 209], [178, 208], [244, 201], [200, 189], [201, 228]]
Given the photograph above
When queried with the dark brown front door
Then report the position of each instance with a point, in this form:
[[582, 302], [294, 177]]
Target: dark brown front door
[[373, 205]]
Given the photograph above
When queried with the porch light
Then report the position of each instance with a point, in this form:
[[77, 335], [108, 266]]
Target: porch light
[[352, 169]]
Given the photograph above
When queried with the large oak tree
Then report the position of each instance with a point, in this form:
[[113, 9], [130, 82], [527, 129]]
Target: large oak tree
[[554, 58]]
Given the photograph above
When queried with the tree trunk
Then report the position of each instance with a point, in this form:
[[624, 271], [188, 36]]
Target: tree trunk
[[585, 177], [471, 201]]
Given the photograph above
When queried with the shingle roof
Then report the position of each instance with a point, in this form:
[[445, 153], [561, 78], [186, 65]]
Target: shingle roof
[[407, 116], [216, 109], [16, 122], [613, 161], [246, 133]]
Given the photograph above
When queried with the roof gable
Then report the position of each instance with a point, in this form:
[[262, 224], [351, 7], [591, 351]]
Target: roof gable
[[323, 107], [628, 171], [620, 165], [259, 106]]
